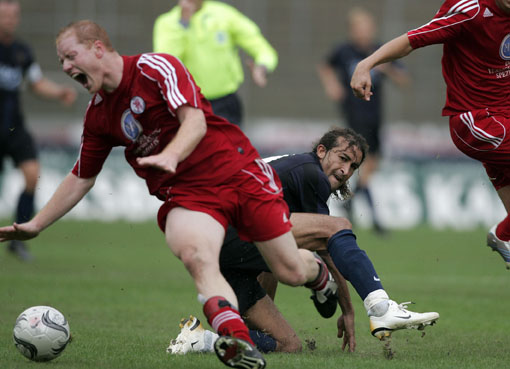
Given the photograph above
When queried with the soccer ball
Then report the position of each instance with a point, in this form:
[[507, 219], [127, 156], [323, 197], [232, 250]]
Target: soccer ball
[[41, 333]]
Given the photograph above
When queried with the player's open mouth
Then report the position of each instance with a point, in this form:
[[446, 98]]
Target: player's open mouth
[[339, 178], [80, 78]]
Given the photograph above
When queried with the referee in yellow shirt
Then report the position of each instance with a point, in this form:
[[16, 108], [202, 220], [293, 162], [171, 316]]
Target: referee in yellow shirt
[[206, 36]]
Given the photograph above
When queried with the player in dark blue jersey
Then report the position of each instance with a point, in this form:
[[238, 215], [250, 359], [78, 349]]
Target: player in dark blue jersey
[[364, 117], [17, 64], [308, 180]]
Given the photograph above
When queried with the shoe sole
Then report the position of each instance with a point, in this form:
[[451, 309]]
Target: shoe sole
[[493, 244], [326, 309], [382, 332], [233, 352]]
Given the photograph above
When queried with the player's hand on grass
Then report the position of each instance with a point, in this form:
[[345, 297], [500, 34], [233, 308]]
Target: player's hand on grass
[[345, 326], [21, 232]]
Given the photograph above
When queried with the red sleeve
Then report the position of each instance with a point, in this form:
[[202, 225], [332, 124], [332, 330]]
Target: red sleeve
[[446, 24], [174, 80], [93, 152]]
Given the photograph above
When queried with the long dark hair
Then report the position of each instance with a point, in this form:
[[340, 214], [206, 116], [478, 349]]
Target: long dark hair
[[330, 140]]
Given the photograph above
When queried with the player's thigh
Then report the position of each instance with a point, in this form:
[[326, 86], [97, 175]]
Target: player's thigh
[[312, 231], [281, 251], [194, 235], [287, 263], [504, 195], [266, 317]]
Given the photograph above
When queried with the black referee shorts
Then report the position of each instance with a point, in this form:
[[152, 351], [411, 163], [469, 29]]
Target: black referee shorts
[[17, 144]]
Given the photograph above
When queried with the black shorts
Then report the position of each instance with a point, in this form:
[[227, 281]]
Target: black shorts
[[17, 144], [229, 107], [240, 264]]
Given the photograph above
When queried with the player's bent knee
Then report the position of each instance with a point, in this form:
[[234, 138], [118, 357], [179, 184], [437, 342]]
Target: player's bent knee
[[194, 261], [337, 224], [290, 345]]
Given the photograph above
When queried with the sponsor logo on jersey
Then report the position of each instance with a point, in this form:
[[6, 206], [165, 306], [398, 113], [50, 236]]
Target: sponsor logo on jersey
[[137, 105], [487, 13], [504, 50], [130, 126]]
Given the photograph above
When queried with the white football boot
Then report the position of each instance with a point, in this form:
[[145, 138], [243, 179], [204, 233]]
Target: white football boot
[[192, 338], [398, 317], [502, 247]]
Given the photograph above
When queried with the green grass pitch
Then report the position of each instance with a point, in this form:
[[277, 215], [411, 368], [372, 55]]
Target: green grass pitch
[[123, 293]]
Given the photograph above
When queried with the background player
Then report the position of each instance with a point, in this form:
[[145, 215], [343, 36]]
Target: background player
[[17, 63], [308, 180], [364, 117], [476, 68], [193, 160], [206, 36]]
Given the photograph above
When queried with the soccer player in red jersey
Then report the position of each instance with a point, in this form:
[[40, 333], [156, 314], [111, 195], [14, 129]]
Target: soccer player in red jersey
[[202, 167], [476, 68]]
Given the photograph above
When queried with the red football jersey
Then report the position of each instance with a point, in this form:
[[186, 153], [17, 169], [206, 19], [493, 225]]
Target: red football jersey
[[476, 53], [141, 115]]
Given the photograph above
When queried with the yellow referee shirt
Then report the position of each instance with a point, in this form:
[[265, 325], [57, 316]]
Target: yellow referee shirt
[[208, 45]]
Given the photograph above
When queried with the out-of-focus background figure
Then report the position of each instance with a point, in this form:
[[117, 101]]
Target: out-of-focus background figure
[[17, 64], [206, 36], [364, 117]]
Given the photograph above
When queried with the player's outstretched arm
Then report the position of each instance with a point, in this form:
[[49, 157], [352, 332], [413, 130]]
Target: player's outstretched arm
[[361, 83], [46, 88], [68, 194]]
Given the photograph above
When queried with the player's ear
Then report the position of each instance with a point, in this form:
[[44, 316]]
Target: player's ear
[[321, 151], [99, 49]]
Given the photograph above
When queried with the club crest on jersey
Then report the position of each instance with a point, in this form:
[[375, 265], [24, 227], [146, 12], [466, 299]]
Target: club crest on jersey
[[130, 126], [221, 37], [137, 105], [504, 50]]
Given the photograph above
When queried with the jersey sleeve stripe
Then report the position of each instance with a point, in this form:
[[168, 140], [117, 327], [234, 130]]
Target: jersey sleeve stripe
[[173, 76], [437, 24], [167, 71], [192, 84], [463, 6]]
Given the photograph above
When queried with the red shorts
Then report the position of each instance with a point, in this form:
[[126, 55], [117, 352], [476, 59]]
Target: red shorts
[[485, 136], [251, 201]]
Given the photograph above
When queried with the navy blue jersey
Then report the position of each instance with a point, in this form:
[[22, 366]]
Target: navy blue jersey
[[306, 187], [15, 60]]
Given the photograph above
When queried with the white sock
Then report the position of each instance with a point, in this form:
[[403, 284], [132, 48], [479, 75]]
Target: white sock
[[376, 303]]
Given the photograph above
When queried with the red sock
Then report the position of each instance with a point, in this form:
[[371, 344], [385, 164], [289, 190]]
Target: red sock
[[224, 319], [322, 278], [503, 229]]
